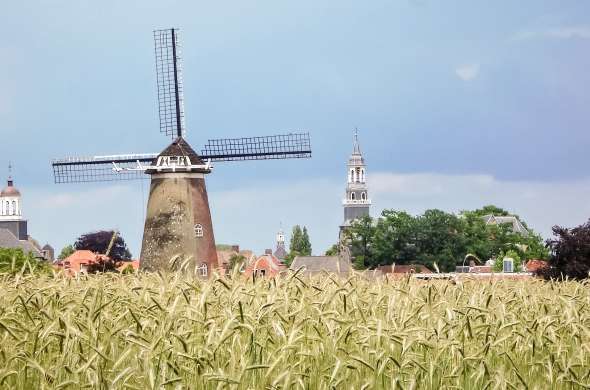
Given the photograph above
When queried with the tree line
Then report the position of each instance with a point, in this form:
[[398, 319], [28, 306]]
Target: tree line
[[438, 237]]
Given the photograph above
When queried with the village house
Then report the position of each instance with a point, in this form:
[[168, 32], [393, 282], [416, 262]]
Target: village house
[[267, 265]]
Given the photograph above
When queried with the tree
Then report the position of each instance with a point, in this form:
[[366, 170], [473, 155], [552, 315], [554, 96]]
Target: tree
[[305, 249], [296, 239], [15, 261], [439, 239], [236, 260], [570, 253], [299, 245], [333, 251], [394, 239], [66, 252], [98, 242], [360, 236]]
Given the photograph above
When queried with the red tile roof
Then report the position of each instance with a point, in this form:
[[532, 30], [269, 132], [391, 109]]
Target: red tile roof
[[535, 265]]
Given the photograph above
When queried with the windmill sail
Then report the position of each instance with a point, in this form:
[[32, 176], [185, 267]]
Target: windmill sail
[[169, 75], [258, 148], [131, 166]]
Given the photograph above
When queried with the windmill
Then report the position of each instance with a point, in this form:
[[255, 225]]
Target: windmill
[[178, 219]]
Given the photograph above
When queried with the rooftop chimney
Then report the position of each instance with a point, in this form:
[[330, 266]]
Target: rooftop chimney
[[268, 251]]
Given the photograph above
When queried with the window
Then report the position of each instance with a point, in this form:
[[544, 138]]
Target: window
[[352, 196], [202, 269], [351, 176], [363, 195], [7, 208], [358, 175], [14, 207], [362, 175], [198, 230]]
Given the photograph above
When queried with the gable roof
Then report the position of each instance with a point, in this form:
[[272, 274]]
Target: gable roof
[[9, 240], [517, 226], [320, 263]]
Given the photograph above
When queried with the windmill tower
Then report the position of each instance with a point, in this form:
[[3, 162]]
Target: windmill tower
[[178, 219]]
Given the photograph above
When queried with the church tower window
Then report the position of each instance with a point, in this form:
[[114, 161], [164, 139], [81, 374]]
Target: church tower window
[[14, 207]]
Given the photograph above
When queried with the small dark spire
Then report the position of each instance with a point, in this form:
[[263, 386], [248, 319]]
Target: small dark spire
[[10, 181]]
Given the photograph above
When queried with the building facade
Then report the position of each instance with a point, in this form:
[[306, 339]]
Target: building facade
[[356, 203]]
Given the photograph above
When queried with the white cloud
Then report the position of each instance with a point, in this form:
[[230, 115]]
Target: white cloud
[[250, 216], [570, 32], [467, 72]]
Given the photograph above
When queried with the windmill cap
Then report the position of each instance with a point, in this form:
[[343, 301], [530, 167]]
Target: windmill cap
[[179, 147]]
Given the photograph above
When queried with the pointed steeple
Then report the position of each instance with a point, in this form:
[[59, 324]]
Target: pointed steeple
[[356, 147]]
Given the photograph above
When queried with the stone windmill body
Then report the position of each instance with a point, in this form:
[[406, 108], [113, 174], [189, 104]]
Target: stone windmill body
[[178, 219]]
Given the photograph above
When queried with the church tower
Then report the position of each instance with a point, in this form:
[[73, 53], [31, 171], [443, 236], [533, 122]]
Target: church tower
[[281, 251], [356, 202], [11, 216]]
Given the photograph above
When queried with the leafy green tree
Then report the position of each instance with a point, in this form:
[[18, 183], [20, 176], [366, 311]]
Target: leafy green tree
[[360, 238], [296, 239], [236, 260], [439, 239], [394, 240], [305, 243], [299, 245], [66, 252], [15, 261], [333, 250]]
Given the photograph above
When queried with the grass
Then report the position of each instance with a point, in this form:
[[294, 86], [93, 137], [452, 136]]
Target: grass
[[148, 331]]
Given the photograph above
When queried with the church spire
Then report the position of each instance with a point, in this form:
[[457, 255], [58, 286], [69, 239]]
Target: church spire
[[356, 149], [356, 202], [10, 181]]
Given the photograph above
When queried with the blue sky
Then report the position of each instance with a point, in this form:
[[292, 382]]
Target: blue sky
[[458, 103]]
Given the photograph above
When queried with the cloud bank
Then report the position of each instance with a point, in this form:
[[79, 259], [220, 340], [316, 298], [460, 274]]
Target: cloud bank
[[467, 72], [567, 32]]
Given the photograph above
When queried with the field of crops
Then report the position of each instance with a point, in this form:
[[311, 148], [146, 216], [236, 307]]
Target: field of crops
[[150, 331]]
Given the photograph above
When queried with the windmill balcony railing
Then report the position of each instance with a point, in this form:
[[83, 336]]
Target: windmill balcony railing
[[356, 201]]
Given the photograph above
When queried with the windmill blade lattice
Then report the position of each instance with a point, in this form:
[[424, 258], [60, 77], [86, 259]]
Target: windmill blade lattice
[[258, 148], [100, 168], [169, 76]]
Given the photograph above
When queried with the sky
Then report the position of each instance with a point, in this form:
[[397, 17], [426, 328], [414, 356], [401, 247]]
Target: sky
[[459, 104]]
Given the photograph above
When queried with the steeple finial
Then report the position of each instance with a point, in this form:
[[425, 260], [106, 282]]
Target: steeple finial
[[10, 174], [356, 148]]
